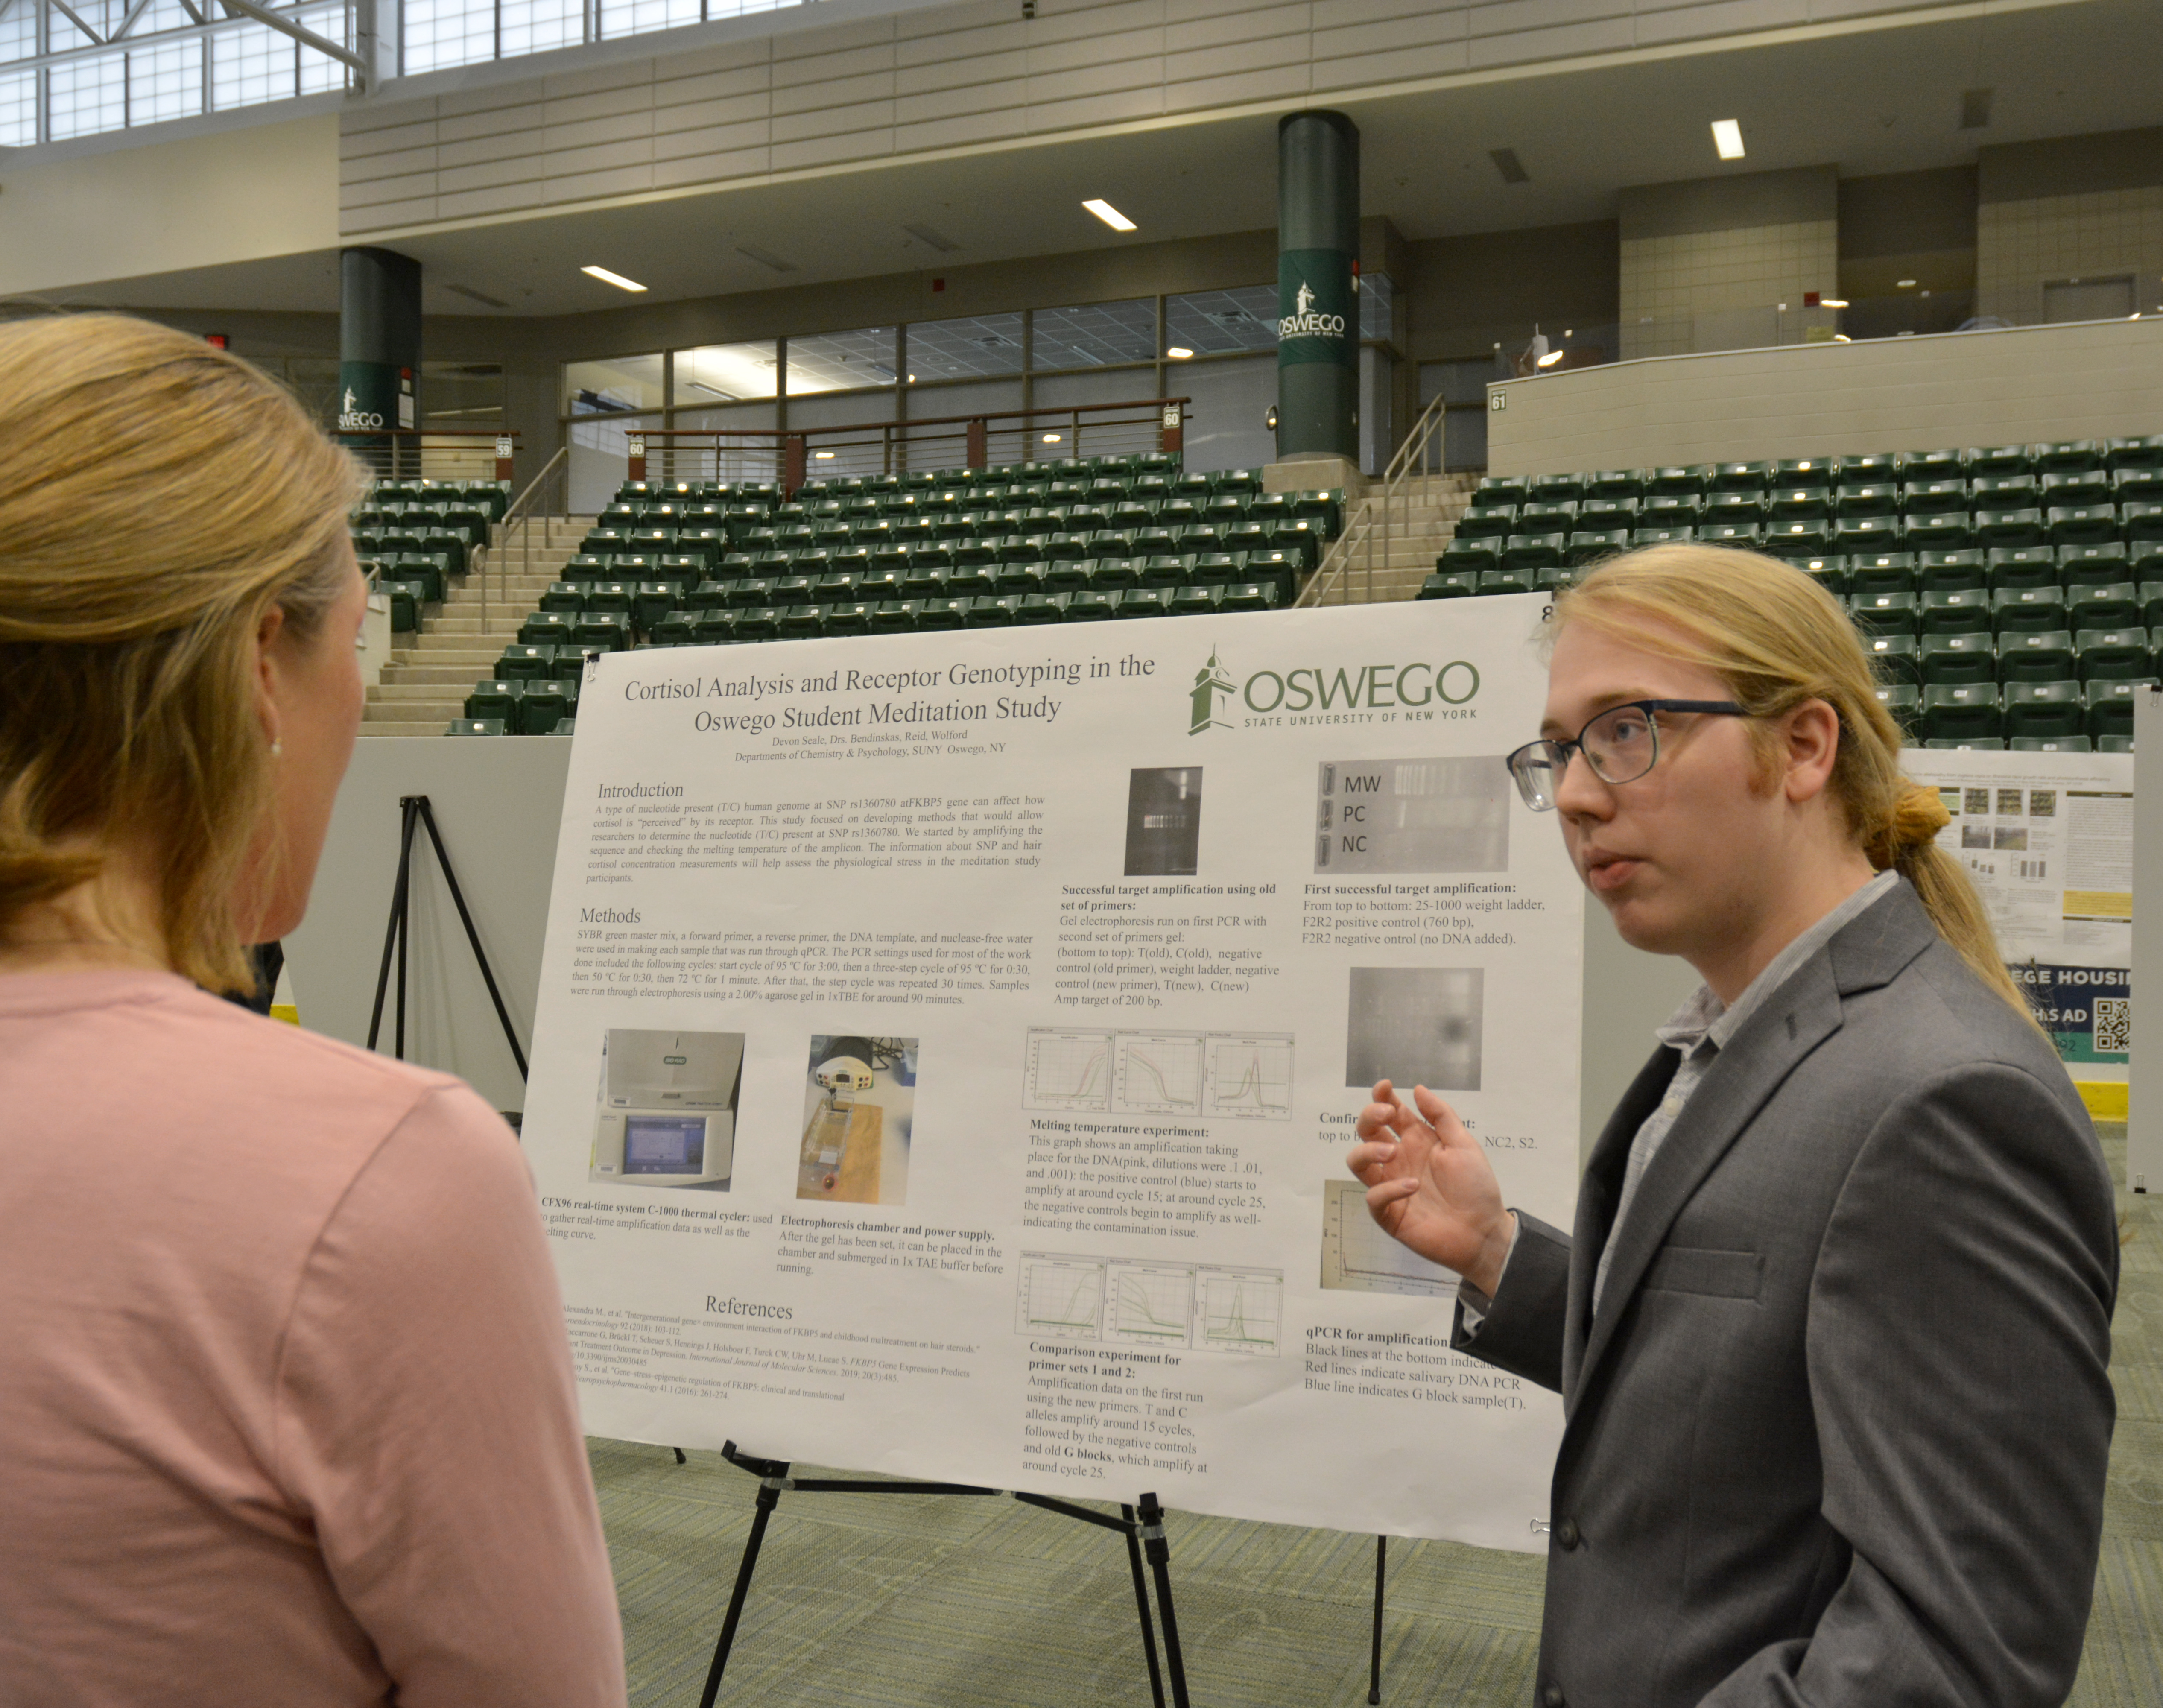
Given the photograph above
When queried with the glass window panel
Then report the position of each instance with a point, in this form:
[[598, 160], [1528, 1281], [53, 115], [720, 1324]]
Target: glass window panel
[[612, 387], [88, 96], [636, 17], [165, 81], [1066, 391], [1218, 323], [319, 73], [536, 26], [461, 396], [722, 373], [961, 349], [18, 109], [1378, 297], [1227, 421], [441, 32], [250, 66], [1097, 336], [832, 412], [18, 32], [841, 361]]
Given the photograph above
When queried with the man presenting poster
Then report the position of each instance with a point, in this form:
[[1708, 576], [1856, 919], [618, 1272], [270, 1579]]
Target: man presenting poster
[[1833, 1328]]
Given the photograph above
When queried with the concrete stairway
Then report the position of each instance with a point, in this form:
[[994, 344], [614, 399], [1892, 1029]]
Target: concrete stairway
[[1418, 531], [425, 685]]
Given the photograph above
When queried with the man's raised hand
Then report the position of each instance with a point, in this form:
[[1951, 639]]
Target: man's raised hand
[[1429, 1185]]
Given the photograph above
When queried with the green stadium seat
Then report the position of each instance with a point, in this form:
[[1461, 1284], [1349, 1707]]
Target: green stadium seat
[[1554, 489], [1676, 481], [546, 628], [1501, 489], [1670, 509], [1854, 501], [1943, 497], [1888, 613], [474, 727], [1473, 557], [2049, 712], [1614, 483], [1530, 552], [2142, 485], [1962, 713], [1751, 478], [1829, 572], [1546, 519], [499, 701], [2036, 744], [2036, 655], [1969, 655], [2134, 453], [849, 616], [543, 708], [1940, 531], [2097, 565], [1998, 528], [2114, 654], [527, 663], [996, 612], [1944, 571], [1606, 515], [1897, 656], [751, 593], [2008, 567], [2111, 606], [1141, 602], [1445, 585], [1090, 605], [564, 596], [1505, 581], [895, 615], [405, 599], [2088, 486], [1798, 504], [1662, 536], [1787, 539], [2110, 705], [1116, 574], [652, 601], [715, 627], [1191, 601], [1589, 546], [1736, 536], [1905, 700], [1866, 535], [2071, 456], [613, 596], [1955, 609], [1497, 523], [2000, 461], [2027, 608], [1792, 472], [2082, 524], [1247, 595], [607, 631], [1872, 470], [944, 612]]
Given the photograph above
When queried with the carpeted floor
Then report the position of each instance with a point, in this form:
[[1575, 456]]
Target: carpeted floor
[[975, 1603]]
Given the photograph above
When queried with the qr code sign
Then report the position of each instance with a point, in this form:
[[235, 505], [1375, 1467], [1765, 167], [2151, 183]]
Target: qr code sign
[[2114, 1025]]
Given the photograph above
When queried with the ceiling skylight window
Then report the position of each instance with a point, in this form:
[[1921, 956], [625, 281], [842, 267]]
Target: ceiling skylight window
[[1110, 215]]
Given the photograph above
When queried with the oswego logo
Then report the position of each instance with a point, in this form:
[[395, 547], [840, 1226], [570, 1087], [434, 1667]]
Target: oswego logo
[[351, 420], [1419, 691], [1303, 322]]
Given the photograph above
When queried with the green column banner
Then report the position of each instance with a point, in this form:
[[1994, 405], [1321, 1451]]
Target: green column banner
[[1318, 311]]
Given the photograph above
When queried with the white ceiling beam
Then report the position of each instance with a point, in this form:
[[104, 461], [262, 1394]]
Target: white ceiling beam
[[286, 26]]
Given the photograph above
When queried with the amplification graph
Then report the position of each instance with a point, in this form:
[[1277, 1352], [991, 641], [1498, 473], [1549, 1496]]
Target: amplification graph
[[1149, 1302], [1250, 1077], [1060, 1295], [1158, 1073], [1241, 1310], [1357, 1256], [1068, 1070], [1244, 1076]]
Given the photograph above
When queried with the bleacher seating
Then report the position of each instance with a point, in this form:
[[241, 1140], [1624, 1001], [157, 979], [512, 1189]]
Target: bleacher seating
[[2011, 595], [707, 563]]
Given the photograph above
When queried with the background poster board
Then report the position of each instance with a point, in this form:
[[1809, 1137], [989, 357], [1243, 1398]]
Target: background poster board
[[2048, 839], [947, 1048]]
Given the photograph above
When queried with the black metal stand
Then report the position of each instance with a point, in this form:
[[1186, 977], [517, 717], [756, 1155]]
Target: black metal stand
[[1375, 1665], [416, 812], [1143, 1527]]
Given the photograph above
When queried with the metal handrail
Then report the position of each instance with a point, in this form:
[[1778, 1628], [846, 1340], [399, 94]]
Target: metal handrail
[[552, 480], [1376, 514]]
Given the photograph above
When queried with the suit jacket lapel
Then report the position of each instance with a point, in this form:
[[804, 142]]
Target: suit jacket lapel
[[1597, 1195], [1797, 1018]]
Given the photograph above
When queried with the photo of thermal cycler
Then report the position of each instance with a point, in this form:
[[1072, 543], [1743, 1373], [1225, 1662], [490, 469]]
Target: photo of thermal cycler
[[669, 1108]]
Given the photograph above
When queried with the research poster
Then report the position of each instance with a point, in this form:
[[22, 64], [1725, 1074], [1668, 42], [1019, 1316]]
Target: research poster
[[949, 1045], [2048, 839]]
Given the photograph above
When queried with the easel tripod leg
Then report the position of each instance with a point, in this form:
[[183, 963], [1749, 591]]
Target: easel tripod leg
[[1375, 1666], [1160, 1558], [769, 1497], [394, 935], [1142, 1605]]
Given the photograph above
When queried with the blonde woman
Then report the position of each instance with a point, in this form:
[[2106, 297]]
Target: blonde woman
[[286, 1403], [1833, 1329]]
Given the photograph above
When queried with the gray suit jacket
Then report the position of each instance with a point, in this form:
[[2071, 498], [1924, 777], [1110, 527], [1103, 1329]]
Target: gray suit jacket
[[1839, 1433]]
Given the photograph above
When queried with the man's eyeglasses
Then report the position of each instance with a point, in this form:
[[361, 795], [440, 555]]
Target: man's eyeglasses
[[1621, 745]]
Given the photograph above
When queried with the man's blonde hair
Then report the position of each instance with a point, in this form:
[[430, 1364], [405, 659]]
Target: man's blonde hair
[[157, 497], [1779, 639]]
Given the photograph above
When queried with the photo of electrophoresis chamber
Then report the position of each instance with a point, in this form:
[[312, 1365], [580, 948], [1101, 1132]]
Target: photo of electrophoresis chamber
[[668, 1107]]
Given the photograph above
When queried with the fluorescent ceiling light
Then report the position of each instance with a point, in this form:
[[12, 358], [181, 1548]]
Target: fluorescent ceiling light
[[1727, 137], [1549, 359], [1832, 302], [1179, 352], [1110, 215], [1904, 284], [822, 456], [615, 279], [1051, 438]]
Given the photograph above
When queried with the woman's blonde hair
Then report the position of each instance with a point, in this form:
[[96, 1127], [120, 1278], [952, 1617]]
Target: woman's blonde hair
[[157, 497], [1779, 639]]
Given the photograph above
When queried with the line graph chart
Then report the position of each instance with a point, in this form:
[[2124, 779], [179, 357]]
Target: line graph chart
[[1242, 1310], [1359, 1257], [1062, 1295], [1150, 1303], [1250, 1076], [1158, 1073], [1068, 1070]]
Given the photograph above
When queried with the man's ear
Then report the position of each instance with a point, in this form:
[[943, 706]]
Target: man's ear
[[1811, 735]]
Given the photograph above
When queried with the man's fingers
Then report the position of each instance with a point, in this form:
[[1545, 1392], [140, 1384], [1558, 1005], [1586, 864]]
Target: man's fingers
[[1362, 1157], [1438, 1115], [1390, 1191]]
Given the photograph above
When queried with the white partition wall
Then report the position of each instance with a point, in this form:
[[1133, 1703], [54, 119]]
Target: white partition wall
[[498, 803]]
